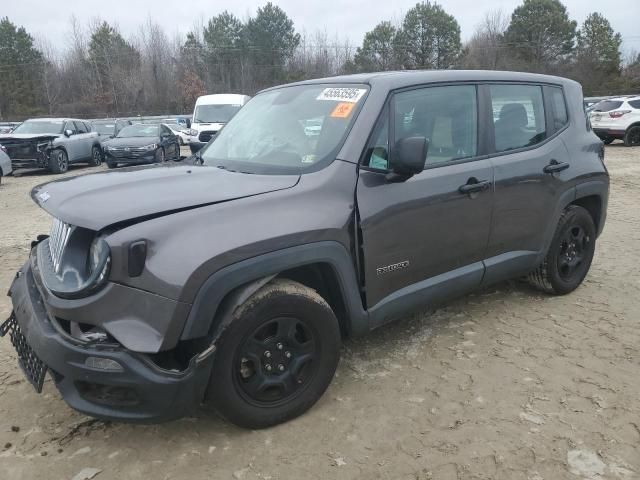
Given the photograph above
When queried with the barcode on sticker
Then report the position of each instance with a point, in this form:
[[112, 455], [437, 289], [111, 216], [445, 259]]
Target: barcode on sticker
[[340, 94]]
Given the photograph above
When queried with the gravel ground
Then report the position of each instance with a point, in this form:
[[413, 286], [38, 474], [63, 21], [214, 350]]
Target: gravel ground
[[502, 384]]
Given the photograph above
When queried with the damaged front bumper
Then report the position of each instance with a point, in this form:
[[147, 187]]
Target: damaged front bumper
[[29, 152], [100, 379]]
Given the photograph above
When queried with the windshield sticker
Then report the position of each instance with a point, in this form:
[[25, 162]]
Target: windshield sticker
[[340, 94], [342, 110]]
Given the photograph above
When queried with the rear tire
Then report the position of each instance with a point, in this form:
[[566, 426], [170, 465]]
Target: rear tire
[[277, 356], [570, 253], [632, 137], [58, 161], [96, 157]]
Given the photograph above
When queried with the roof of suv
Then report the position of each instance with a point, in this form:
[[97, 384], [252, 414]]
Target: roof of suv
[[404, 78]]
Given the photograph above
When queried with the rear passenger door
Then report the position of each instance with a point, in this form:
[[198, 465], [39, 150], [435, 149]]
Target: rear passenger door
[[425, 234], [531, 166]]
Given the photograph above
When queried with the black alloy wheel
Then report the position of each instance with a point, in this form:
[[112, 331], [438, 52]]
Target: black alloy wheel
[[276, 361], [632, 137]]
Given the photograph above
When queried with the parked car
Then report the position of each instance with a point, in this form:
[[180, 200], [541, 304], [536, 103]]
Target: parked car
[[180, 131], [142, 143], [52, 143], [109, 127], [617, 118], [210, 114], [235, 281], [5, 163]]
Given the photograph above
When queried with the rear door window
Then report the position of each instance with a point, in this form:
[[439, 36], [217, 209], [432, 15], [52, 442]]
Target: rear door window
[[518, 116], [635, 103]]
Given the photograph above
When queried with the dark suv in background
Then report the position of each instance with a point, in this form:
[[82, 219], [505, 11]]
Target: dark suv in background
[[233, 281]]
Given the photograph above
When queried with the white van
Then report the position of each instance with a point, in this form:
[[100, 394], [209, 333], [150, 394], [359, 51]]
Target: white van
[[210, 114]]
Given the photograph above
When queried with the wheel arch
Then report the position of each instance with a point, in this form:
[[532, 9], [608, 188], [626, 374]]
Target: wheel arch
[[634, 124], [325, 266], [593, 197]]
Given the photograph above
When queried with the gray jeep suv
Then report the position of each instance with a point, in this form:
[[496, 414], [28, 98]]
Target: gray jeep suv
[[233, 279]]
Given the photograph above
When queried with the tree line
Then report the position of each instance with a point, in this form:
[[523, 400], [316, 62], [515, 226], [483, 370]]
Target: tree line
[[102, 73]]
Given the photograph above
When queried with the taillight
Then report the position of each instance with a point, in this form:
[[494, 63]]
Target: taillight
[[618, 113]]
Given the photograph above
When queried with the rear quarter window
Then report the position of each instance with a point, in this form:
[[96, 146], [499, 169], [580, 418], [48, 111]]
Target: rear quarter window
[[635, 103], [559, 108], [607, 105]]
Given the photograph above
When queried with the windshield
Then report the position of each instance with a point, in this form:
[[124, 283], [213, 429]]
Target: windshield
[[140, 130], [215, 113], [52, 127], [288, 130], [104, 128], [607, 105]]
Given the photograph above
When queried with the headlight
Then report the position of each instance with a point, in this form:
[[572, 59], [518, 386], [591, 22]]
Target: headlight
[[85, 261], [153, 146], [192, 132]]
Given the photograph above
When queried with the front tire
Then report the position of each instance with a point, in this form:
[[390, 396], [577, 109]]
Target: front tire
[[111, 164], [96, 157], [570, 253], [632, 137], [277, 356], [58, 161], [160, 155]]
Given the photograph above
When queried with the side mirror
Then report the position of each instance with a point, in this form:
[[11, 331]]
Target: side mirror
[[408, 156], [68, 132]]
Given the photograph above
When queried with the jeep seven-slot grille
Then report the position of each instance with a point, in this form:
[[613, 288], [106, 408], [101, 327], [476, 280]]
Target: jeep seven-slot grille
[[58, 238]]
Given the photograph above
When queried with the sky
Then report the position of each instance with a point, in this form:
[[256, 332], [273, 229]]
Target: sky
[[346, 19]]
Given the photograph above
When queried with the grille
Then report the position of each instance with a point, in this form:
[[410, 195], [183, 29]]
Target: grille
[[34, 369], [127, 151], [206, 136], [60, 232]]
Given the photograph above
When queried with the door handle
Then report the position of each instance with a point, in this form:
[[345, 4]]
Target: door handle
[[555, 166], [474, 185]]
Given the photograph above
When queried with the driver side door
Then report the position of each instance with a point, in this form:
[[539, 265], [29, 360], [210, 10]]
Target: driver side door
[[72, 142], [425, 238]]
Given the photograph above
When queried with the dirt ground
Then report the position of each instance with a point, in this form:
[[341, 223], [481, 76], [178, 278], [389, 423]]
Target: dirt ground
[[503, 384]]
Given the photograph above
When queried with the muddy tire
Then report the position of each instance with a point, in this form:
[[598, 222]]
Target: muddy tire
[[570, 253], [96, 156], [632, 137], [58, 161], [277, 356]]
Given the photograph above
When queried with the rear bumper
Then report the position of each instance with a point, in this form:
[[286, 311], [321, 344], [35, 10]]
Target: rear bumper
[[608, 132], [137, 391]]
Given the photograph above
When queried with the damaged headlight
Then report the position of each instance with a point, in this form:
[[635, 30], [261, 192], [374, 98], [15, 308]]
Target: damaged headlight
[[153, 146]]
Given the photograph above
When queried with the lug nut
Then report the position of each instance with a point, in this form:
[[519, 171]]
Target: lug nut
[[267, 367], [287, 354], [281, 367], [267, 353], [279, 346]]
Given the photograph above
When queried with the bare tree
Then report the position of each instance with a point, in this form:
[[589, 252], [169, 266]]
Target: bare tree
[[486, 49]]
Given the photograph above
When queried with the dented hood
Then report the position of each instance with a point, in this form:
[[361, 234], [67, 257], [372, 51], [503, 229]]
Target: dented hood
[[13, 138], [96, 201]]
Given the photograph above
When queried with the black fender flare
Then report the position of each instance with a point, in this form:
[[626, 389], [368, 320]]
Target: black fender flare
[[599, 188], [218, 286]]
